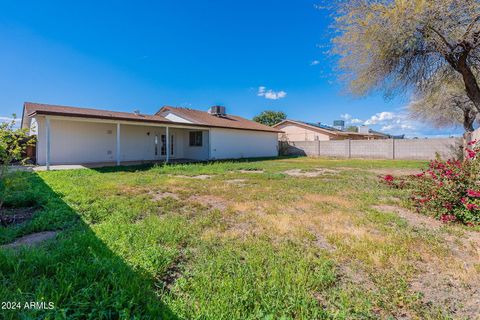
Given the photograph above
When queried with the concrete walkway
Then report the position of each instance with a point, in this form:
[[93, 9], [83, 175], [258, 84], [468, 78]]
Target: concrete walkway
[[96, 165]]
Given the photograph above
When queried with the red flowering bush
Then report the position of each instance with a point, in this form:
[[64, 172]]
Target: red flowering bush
[[393, 182], [448, 190]]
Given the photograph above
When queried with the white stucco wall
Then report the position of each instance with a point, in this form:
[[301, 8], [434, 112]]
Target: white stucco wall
[[232, 144], [77, 142], [193, 152]]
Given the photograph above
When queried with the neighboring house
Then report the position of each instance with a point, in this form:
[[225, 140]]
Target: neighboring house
[[294, 130], [70, 135], [366, 129]]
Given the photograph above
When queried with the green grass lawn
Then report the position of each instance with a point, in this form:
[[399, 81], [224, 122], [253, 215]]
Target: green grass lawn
[[226, 240]]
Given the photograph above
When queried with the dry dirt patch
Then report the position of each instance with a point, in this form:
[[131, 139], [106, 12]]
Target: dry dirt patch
[[199, 177], [453, 281], [132, 190], [412, 218], [16, 215], [31, 240], [292, 218], [309, 174], [465, 247], [316, 198], [454, 295], [320, 240], [251, 171], [239, 182], [210, 201], [395, 171], [158, 195]]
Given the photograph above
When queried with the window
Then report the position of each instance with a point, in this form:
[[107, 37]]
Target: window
[[196, 138], [163, 149]]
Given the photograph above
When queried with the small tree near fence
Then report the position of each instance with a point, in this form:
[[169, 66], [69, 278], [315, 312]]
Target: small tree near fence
[[13, 143], [270, 118]]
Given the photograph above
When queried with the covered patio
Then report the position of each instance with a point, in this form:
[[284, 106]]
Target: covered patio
[[96, 142]]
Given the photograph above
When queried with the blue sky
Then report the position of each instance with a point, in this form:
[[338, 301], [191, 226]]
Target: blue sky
[[124, 55]]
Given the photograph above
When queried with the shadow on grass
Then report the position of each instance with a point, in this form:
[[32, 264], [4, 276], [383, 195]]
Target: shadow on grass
[[76, 272]]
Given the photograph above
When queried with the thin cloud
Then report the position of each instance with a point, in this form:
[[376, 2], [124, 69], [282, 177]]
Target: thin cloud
[[385, 121], [270, 94], [8, 119], [380, 117], [314, 62], [398, 123]]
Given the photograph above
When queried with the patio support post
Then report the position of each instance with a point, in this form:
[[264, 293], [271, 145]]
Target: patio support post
[[118, 144], [47, 133], [167, 141], [209, 145]]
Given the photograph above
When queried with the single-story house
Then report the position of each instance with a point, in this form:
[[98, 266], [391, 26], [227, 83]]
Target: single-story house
[[71, 135], [294, 130]]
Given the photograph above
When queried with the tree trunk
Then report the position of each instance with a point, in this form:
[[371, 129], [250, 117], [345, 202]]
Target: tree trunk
[[469, 117], [471, 85]]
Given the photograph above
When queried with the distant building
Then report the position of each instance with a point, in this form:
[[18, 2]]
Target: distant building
[[339, 124], [294, 130], [366, 129]]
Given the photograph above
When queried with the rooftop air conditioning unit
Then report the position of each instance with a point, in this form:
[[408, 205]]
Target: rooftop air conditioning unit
[[218, 111]]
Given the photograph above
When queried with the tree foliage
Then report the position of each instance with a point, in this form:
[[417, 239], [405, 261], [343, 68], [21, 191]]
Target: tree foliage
[[351, 129], [270, 118], [404, 45], [445, 104], [13, 143]]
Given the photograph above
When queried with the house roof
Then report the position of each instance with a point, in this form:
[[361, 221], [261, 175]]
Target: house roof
[[205, 118], [31, 109], [321, 126], [329, 130], [311, 126]]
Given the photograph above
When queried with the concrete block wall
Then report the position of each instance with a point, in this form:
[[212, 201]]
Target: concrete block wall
[[372, 149], [333, 148], [300, 148], [425, 149], [407, 149]]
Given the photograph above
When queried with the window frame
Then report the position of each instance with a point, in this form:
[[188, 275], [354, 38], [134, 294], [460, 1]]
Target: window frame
[[195, 139]]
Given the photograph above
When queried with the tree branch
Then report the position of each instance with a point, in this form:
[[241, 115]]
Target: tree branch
[[445, 41], [470, 26]]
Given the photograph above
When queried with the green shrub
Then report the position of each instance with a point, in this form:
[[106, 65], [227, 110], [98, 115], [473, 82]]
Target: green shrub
[[13, 143]]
